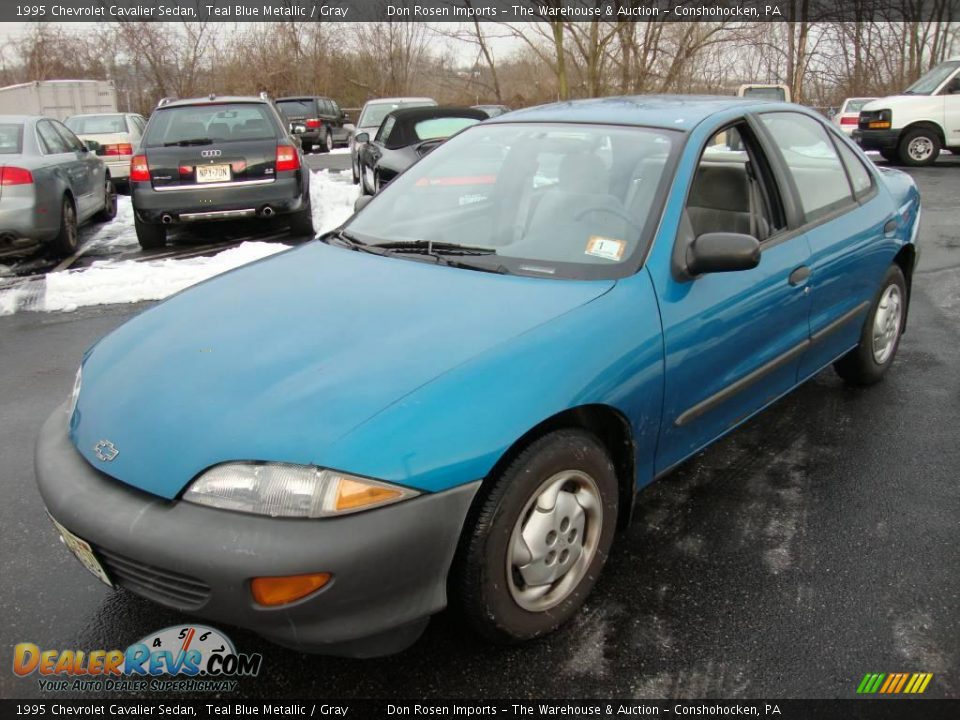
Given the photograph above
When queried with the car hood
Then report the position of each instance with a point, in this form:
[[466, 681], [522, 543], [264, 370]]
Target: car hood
[[912, 103], [279, 359]]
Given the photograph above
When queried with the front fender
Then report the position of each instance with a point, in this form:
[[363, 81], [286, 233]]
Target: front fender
[[453, 429]]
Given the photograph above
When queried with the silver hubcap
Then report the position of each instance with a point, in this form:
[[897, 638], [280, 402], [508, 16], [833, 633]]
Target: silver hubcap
[[920, 148], [329, 141], [886, 324], [554, 540]]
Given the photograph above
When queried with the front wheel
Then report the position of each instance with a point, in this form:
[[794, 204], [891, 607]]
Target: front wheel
[[867, 363], [534, 548], [919, 147]]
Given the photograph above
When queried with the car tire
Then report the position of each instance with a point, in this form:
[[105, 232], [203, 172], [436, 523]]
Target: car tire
[[378, 183], [890, 156], [306, 147], [919, 147], [301, 222], [355, 167], [364, 189], [869, 361], [65, 243], [488, 584], [109, 211], [150, 236]]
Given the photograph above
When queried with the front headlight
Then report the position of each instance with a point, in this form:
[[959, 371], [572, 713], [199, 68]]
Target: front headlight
[[75, 394], [285, 490]]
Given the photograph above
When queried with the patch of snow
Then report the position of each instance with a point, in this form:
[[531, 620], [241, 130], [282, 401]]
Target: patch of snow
[[112, 281], [126, 281]]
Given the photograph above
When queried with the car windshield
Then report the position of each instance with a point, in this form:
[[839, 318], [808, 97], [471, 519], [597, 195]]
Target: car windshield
[[553, 200], [97, 124], [297, 108], [216, 122], [765, 93], [929, 83], [374, 113], [11, 138]]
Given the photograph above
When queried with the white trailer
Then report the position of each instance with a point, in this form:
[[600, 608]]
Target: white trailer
[[59, 98]]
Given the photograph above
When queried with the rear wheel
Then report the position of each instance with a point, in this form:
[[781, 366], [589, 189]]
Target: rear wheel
[[919, 147], [307, 147], [66, 241], [327, 142], [301, 222], [539, 540], [150, 236], [109, 211], [867, 363]]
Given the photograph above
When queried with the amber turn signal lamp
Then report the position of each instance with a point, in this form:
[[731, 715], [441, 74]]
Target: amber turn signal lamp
[[272, 591], [352, 494]]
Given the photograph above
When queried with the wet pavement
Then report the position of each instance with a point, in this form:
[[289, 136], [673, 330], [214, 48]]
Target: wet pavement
[[816, 543]]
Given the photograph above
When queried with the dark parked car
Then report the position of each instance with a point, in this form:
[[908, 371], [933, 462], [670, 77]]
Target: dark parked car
[[50, 182], [371, 116], [493, 110], [404, 137], [317, 121], [217, 158]]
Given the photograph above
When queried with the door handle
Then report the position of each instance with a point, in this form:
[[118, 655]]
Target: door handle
[[799, 275]]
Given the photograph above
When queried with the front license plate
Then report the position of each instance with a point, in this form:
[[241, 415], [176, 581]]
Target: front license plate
[[83, 552], [213, 173]]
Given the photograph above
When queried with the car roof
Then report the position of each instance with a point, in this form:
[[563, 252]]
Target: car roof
[[377, 101], [104, 114], [19, 118], [676, 112], [302, 97], [416, 114], [216, 100]]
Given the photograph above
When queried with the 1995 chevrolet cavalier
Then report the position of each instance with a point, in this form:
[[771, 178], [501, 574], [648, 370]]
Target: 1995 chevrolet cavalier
[[456, 395]]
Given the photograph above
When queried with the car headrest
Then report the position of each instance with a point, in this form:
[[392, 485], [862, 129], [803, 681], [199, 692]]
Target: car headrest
[[720, 187], [583, 173]]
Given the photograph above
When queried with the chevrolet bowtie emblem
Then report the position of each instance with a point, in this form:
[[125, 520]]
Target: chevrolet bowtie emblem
[[105, 450]]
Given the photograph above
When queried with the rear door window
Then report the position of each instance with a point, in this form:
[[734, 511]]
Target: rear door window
[[859, 176], [51, 140], [812, 160], [72, 141]]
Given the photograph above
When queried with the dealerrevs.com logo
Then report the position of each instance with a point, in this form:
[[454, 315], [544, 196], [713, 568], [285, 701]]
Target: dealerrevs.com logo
[[193, 658]]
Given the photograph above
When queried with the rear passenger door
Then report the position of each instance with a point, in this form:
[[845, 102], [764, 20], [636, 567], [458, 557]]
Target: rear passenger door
[[66, 164], [845, 220], [732, 340], [91, 174]]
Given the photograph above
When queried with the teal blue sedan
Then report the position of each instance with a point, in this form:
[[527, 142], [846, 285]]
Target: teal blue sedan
[[454, 398]]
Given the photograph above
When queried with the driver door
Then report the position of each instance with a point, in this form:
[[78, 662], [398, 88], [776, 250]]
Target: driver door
[[732, 340]]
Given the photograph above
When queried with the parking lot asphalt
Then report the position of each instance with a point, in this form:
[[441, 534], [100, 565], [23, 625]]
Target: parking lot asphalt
[[814, 544]]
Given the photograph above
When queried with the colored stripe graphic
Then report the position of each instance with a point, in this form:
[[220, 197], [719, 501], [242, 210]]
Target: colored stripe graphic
[[894, 683]]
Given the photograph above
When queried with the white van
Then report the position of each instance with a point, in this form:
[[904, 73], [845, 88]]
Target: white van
[[913, 127]]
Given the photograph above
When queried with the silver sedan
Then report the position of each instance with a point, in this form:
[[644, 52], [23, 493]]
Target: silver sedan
[[50, 183]]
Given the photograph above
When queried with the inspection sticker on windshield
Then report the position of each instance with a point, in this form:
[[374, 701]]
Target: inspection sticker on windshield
[[607, 248]]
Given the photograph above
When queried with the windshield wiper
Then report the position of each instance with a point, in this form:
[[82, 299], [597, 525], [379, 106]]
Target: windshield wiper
[[429, 247], [191, 141], [348, 239]]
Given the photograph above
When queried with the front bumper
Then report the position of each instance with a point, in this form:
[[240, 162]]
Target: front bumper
[[877, 139], [283, 195], [389, 565]]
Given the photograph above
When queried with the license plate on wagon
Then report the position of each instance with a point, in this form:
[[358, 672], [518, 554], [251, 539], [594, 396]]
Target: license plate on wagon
[[83, 552], [213, 173]]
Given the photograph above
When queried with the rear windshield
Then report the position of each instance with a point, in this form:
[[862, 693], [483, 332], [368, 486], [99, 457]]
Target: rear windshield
[[374, 113], [442, 127], [97, 124], [298, 108], [11, 138], [228, 122], [765, 93]]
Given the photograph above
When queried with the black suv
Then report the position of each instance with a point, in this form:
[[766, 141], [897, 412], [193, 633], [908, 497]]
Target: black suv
[[217, 158], [317, 121]]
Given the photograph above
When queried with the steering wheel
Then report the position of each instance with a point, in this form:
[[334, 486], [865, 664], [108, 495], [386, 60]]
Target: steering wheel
[[611, 211]]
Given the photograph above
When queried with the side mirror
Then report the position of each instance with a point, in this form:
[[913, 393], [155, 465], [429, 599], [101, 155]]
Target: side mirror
[[361, 138], [361, 202], [722, 252], [91, 145], [953, 87]]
